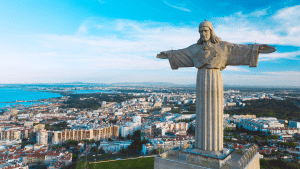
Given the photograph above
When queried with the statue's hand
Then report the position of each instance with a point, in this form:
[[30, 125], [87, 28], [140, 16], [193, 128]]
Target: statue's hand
[[162, 55], [266, 49]]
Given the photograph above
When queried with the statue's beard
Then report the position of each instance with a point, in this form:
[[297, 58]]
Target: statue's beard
[[205, 39]]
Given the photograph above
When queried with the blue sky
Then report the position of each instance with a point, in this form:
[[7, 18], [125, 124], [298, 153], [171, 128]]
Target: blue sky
[[108, 41]]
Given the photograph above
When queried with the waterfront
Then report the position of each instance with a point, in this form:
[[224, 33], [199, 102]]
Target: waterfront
[[10, 97]]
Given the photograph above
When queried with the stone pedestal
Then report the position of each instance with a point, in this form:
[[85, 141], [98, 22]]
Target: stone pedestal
[[193, 159], [199, 159], [210, 159]]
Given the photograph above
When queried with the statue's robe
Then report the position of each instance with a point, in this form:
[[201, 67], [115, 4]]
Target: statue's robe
[[210, 60]]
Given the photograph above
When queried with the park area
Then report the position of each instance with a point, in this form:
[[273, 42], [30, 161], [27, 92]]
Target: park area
[[139, 163]]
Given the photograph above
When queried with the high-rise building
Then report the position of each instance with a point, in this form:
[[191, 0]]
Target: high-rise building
[[103, 104], [96, 134], [42, 137]]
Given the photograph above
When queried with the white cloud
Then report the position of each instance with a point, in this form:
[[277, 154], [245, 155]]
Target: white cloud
[[179, 6], [259, 13], [236, 69], [277, 55], [120, 45], [289, 15], [288, 21], [132, 45], [82, 29], [281, 28]]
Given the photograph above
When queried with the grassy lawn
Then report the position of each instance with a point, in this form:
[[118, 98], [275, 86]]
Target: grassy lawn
[[140, 163]]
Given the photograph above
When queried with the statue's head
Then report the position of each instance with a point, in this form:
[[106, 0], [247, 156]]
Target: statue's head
[[207, 33]]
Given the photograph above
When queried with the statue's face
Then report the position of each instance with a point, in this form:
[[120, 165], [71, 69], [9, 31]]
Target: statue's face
[[204, 33]]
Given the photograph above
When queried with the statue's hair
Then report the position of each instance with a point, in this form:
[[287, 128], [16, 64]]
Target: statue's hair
[[213, 37]]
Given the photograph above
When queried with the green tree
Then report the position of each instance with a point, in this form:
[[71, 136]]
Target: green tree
[[94, 150], [129, 137], [22, 145], [293, 144], [235, 135], [74, 157], [275, 153], [137, 142], [136, 134], [264, 163], [101, 151]]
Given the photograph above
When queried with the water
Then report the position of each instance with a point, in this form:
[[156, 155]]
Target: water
[[18, 94], [26, 104], [21, 94]]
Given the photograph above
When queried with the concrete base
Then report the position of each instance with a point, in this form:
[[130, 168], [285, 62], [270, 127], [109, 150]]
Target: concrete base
[[195, 160], [215, 154], [164, 163]]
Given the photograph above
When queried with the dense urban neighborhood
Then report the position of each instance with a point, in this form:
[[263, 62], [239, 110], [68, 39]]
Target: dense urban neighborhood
[[139, 121]]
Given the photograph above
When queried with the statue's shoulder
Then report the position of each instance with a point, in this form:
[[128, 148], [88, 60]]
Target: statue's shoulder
[[193, 46], [223, 43]]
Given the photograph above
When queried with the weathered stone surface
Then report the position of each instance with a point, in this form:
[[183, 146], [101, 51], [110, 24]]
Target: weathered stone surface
[[209, 110], [254, 163], [176, 159]]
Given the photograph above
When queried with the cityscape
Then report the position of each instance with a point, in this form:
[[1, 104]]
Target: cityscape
[[133, 121]]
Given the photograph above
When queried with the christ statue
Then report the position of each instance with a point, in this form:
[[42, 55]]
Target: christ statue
[[210, 56]]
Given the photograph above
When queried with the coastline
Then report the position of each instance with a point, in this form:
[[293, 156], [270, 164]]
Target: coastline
[[27, 96]]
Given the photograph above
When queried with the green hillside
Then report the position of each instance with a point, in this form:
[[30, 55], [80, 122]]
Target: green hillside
[[281, 109]]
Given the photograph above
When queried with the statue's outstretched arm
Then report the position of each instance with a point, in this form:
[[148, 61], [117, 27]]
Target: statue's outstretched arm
[[178, 58]]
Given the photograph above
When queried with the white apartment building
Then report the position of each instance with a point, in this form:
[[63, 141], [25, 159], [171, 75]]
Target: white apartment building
[[165, 109], [166, 144], [284, 131], [114, 146], [42, 137], [129, 127], [52, 157], [248, 116], [263, 124], [184, 116], [40, 115], [103, 104], [294, 124], [96, 134]]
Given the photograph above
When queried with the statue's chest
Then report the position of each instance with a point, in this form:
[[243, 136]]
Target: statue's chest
[[205, 56]]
